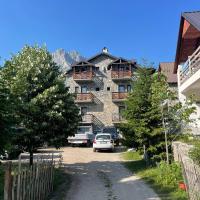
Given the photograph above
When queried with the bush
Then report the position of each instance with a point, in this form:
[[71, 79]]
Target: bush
[[195, 153], [168, 175]]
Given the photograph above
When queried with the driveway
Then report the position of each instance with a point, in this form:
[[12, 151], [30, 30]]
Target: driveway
[[102, 176]]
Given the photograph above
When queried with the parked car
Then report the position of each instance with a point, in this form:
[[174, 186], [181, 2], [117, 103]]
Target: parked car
[[114, 134], [103, 141], [84, 136]]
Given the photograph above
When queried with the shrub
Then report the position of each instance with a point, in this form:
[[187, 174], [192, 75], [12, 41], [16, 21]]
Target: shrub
[[195, 153]]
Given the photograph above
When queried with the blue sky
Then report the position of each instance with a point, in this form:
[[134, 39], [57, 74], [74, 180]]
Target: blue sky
[[129, 28]]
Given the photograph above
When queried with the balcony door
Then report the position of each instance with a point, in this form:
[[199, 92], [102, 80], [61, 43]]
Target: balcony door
[[121, 88], [84, 110], [84, 89]]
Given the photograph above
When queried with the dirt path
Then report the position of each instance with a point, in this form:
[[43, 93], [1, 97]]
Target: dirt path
[[101, 176]]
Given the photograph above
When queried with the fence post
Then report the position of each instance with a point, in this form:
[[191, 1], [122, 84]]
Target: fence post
[[8, 182]]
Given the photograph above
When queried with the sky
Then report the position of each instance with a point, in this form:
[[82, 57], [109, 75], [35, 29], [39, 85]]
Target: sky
[[133, 29]]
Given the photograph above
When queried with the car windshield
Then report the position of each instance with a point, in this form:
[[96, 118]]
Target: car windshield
[[103, 137]]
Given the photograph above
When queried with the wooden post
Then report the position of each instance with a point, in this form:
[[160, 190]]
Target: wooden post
[[8, 182]]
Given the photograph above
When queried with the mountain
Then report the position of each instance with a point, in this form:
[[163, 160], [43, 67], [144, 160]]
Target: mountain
[[65, 59]]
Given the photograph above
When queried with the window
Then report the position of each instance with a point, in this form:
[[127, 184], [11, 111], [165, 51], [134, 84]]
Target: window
[[121, 88], [121, 68], [108, 88], [128, 88], [84, 89], [97, 89], [84, 110], [76, 89], [121, 109]]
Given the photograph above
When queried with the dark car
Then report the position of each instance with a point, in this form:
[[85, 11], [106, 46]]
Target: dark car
[[114, 134]]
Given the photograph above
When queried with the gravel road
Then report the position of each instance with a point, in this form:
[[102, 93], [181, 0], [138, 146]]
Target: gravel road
[[102, 176]]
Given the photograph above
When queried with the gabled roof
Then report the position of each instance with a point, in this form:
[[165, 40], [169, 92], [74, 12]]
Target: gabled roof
[[121, 61], [102, 54], [167, 68], [194, 19], [82, 63]]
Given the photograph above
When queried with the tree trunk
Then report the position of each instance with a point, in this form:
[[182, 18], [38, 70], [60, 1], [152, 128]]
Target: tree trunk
[[31, 158]]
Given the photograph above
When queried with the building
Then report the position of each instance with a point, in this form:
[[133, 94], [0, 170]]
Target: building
[[167, 68], [187, 62], [101, 85]]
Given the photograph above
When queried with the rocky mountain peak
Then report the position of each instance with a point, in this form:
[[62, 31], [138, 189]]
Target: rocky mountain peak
[[64, 59]]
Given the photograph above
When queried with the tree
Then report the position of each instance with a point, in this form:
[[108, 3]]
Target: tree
[[138, 103], [6, 116], [45, 111], [153, 115], [172, 114]]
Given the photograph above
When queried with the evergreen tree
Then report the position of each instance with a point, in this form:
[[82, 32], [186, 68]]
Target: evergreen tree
[[45, 111], [154, 115]]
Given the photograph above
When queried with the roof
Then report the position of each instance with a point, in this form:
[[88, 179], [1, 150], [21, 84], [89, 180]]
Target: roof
[[194, 19], [81, 63], [122, 61], [102, 54], [167, 68]]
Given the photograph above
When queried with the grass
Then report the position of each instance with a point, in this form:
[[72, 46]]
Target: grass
[[1, 182], [162, 178], [61, 184]]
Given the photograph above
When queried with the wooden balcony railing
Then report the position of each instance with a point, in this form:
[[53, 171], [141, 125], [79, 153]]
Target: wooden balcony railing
[[81, 76], [127, 74], [87, 118], [191, 66], [117, 118], [84, 97], [119, 96]]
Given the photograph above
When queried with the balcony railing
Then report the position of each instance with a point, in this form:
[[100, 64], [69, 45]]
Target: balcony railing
[[117, 118], [191, 66], [83, 76], [119, 96], [84, 97], [87, 119], [126, 74]]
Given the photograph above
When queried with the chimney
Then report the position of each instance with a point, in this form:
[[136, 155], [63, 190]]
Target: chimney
[[105, 50]]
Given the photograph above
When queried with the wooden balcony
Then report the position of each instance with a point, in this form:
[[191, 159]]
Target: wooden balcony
[[117, 118], [121, 75], [119, 96], [87, 119], [84, 98], [83, 76]]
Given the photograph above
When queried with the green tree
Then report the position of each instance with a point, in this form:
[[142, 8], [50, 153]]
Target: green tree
[[45, 111], [137, 129], [154, 115], [6, 116], [170, 114]]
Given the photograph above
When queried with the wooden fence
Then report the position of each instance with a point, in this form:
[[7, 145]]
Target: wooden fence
[[29, 183], [191, 172]]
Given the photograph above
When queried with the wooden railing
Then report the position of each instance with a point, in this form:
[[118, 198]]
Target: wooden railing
[[87, 75], [117, 118], [117, 96], [121, 74], [87, 118], [84, 97], [191, 66]]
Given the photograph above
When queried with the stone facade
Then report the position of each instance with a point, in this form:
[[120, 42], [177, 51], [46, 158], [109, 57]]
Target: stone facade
[[102, 108]]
